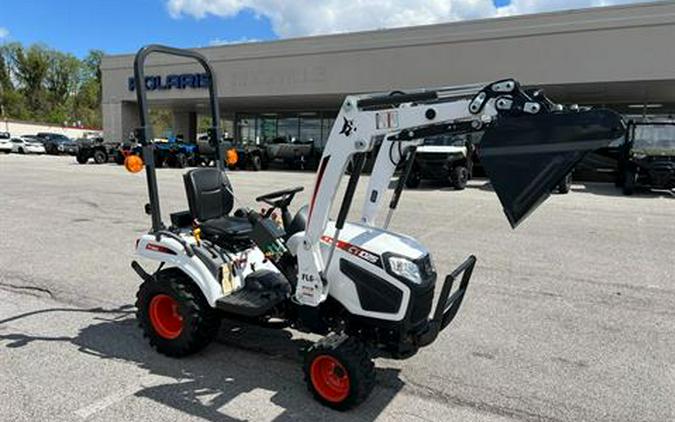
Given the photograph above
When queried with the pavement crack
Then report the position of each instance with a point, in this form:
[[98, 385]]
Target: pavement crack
[[428, 392], [20, 287]]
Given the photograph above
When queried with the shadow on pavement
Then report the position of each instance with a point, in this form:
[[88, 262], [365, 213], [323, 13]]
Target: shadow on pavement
[[609, 189], [243, 359]]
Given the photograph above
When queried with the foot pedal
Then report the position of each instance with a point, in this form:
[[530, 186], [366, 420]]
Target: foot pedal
[[263, 291]]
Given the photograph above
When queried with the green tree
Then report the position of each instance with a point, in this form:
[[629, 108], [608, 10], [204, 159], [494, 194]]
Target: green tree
[[30, 67], [88, 98], [62, 77], [48, 85]]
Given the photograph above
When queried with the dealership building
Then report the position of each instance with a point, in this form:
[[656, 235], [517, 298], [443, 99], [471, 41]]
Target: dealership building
[[616, 56]]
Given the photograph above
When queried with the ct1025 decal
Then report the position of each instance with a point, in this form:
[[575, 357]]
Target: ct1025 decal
[[355, 250]]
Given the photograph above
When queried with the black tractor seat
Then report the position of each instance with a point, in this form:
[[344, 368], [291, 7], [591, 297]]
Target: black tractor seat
[[210, 199], [226, 226]]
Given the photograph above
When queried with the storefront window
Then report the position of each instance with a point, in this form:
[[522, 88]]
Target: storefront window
[[247, 128], [310, 128], [301, 127], [267, 128], [288, 128], [326, 125]]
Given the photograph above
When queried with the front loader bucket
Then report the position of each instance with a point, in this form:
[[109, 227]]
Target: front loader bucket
[[526, 157]]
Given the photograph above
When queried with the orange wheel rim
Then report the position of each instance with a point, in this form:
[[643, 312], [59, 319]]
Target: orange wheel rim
[[330, 378], [164, 316]]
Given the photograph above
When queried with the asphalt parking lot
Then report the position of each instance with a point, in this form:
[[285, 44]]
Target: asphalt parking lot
[[571, 317]]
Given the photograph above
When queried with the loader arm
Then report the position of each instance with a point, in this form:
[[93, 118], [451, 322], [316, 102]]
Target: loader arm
[[403, 121]]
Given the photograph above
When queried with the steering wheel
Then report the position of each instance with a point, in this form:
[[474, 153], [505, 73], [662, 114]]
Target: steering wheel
[[284, 196]]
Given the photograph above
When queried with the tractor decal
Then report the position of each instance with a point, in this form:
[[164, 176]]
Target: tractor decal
[[355, 250]]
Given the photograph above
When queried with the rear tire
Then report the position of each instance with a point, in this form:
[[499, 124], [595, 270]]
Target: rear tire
[[174, 315], [459, 177], [82, 159], [629, 182], [338, 372], [100, 157], [181, 161], [256, 163], [21, 151]]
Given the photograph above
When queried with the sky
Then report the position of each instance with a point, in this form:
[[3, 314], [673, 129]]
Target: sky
[[122, 26]]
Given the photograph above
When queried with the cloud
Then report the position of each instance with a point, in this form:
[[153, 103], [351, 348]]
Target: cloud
[[292, 18], [521, 7], [242, 40], [4, 32]]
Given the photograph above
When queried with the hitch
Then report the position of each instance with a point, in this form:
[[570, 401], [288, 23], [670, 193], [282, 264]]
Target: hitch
[[448, 305]]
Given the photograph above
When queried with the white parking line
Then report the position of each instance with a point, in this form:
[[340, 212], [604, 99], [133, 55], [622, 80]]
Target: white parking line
[[115, 397]]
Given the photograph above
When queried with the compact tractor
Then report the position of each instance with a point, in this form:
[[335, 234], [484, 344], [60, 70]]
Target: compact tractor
[[368, 290]]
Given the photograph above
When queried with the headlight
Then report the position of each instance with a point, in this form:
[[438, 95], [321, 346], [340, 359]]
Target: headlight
[[405, 268]]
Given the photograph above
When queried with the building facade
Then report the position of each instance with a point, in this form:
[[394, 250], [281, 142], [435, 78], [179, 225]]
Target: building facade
[[615, 56]]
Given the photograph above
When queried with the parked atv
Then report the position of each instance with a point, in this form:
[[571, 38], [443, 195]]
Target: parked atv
[[97, 149], [176, 153]]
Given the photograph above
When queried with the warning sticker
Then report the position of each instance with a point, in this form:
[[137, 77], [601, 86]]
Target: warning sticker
[[386, 120]]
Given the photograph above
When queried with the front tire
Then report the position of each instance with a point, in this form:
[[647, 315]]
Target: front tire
[[100, 157], [174, 315], [82, 159], [565, 185], [459, 177], [629, 182], [338, 372]]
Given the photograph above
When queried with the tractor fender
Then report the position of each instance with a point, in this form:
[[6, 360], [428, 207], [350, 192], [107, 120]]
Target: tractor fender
[[173, 254]]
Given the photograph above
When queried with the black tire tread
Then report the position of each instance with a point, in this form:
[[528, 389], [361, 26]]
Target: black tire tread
[[456, 177], [203, 322], [100, 157], [353, 354]]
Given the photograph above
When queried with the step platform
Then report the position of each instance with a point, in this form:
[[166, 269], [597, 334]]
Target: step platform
[[263, 291]]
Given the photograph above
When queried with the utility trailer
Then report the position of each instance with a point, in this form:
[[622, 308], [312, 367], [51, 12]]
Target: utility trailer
[[297, 155]]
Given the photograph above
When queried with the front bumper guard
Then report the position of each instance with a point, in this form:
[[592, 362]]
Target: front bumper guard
[[448, 305]]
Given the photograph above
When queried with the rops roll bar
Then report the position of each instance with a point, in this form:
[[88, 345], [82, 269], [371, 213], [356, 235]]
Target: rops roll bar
[[144, 133]]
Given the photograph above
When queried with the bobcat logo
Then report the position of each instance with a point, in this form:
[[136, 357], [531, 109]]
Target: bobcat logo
[[347, 127]]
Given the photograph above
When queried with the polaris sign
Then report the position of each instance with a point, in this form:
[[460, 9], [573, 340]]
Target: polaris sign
[[187, 80]]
